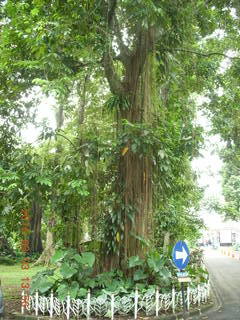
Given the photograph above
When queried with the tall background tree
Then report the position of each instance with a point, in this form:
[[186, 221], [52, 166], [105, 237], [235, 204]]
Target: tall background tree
[[223, 109]]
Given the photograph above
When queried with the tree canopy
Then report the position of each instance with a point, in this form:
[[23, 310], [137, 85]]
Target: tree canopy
[[117, 170]]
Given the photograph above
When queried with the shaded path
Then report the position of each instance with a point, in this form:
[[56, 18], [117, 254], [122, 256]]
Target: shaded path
[[225, 278]]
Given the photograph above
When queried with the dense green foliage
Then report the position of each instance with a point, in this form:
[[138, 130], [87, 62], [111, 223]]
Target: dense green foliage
[[74, 274], [117, 170], [224, 111]]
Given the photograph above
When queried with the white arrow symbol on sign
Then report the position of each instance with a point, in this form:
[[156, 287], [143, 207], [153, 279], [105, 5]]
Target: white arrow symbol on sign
[[181, 255]]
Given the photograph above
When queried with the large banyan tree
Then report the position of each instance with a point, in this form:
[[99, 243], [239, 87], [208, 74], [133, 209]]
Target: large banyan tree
[[141, 39], [147, 50]]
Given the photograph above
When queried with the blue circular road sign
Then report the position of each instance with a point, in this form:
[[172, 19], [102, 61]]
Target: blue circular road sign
[[181, 255]]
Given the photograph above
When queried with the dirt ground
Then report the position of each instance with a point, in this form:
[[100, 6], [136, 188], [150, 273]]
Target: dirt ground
[[11, 306]]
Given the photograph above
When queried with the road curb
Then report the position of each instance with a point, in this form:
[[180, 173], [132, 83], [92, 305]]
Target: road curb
[[180, 315], [177, 316], [20, 316], [217, 302]]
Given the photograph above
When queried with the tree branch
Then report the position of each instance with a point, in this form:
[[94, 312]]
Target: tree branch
[[125, 53], [61, 135], [208, 54], [111, 74], [111, 12], [113, 79]]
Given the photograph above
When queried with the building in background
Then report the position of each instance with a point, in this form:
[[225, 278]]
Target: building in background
[[220, 232]]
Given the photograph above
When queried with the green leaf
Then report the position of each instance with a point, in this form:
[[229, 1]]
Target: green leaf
[[74, 288], [67, 271], [78, 258], [82, 292], [134, 147], [135, 261], [155, 264], [44, 285], [58, 256], [139, 275], [164, 272], [34, 12], [140, 286], [89, 283], [62, 291], [44, 181], [86, 258]]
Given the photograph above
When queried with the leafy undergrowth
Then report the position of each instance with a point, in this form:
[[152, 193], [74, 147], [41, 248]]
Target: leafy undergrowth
[[74, 273]]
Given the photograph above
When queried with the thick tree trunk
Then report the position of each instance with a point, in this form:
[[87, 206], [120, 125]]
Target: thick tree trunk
[[48, 250], [135, 170], [72, 220], [166, 241], [49, 245], [35, 241], [134, 182]]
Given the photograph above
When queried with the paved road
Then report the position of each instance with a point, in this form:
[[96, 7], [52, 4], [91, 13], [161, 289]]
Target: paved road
[[225, 277]]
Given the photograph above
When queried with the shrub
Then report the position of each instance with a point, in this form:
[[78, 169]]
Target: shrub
[[6, 261], [74, 274]]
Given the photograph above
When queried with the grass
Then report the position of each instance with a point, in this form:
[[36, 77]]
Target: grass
[[11, 278]]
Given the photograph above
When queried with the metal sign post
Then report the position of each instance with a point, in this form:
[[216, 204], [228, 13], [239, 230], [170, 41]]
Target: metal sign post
[[183, 297], [181, 257]]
